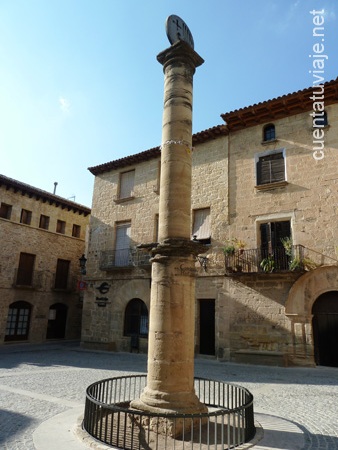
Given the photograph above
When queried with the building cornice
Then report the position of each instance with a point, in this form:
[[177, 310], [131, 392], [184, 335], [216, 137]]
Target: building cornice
[[280, 107], [155, 152], [260, 113], [44, 196]]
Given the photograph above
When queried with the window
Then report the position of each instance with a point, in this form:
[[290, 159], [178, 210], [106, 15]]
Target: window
[[136, 318], [60, 227], [201, 225], [24, 276], [127, 184], [18, 319], [271, 234], [76, 232], [26, 217], [320, 119], [157, 218], [269, 132], [44, 222], [61, 275], [158, 180], [5, 211], [270, 167], [122, 244]]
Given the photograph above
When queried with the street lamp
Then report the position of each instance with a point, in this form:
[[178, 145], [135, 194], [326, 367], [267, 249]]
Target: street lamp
[[83, 261]]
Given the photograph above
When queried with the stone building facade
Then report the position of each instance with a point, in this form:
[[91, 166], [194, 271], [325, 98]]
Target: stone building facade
[[42, 237], [264, 203]]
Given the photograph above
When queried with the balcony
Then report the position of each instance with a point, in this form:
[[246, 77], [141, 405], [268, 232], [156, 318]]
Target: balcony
[[298, 259], [124, 258]]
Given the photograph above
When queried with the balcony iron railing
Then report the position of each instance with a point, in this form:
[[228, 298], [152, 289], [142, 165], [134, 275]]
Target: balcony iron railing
[[298, 258], [127, 257]]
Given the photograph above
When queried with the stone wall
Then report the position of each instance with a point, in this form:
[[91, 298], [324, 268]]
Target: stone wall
[[47, 246], [251, 323]]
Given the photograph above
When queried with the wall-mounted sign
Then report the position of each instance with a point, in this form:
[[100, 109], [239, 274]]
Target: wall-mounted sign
[[81, 285], [103, 288]]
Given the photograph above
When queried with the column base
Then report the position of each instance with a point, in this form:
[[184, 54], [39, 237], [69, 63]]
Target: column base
[[164, 403]]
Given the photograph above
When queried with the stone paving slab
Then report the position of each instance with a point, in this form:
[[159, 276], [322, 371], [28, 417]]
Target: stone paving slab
[[40, 385]]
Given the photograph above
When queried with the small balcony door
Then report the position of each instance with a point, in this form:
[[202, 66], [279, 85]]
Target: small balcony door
[[272, 234], [25, 270], [122, 245]]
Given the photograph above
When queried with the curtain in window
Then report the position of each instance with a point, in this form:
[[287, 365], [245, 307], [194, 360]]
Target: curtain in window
[[201, 228], [122, 244], [127, 184]]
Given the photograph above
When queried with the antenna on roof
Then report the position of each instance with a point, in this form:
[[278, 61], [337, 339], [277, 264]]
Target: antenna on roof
[[55, 184]]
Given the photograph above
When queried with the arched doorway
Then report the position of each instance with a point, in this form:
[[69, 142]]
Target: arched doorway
[[57, 319], [325, 329], [18, 320], [136, 318]]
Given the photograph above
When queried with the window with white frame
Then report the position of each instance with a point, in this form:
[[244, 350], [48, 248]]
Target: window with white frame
[[201, 225], [270, 167]]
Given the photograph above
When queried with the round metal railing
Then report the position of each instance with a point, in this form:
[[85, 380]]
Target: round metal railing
[[228, 423]]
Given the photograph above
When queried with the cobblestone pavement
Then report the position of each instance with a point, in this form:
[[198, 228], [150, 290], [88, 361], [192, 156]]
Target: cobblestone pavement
[[39, 382]]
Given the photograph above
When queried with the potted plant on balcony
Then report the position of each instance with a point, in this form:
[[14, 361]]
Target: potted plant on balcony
[[240, 245], [267, 264], [296, 264], [287, 244], [229, 251]]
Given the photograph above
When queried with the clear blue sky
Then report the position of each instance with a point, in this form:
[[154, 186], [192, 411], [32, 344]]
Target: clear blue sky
[[80, 84]]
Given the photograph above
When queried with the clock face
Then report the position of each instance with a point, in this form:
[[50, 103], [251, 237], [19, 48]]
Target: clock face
[[177, 30]]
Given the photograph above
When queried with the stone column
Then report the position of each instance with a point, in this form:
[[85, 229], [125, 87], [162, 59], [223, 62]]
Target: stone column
[[170, 381]]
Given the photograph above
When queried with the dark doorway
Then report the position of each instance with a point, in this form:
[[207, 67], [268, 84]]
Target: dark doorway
[[272, 234], [57, 321], [325, 329], [207, 327], [136, 318]]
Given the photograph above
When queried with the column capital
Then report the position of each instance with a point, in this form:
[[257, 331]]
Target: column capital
[[180, 52]]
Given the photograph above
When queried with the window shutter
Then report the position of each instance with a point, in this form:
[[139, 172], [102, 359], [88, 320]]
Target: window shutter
[[265, 238], [61, 275], [282, 230], [25, 270], [271, 168]]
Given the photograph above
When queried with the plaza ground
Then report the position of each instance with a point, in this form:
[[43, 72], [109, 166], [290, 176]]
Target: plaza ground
[[42, 394]]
